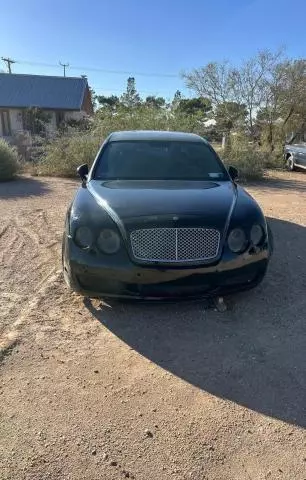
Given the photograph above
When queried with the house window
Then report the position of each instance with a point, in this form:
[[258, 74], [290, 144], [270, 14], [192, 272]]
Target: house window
[[34, 120], [60, 117], [5, 122]]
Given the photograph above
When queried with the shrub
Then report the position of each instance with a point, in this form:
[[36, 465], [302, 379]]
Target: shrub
[[249, 161], [8, 161], [258, 157], [274, 160], [144, 118], [64, 154]]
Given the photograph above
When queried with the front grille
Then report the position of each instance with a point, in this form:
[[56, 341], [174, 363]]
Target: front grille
[[171, 245]]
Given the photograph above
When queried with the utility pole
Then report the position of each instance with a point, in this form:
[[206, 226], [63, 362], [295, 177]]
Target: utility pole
[[8, 62], [64, 65]]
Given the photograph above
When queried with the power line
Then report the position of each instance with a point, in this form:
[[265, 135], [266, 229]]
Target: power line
[[122, 90], [64, 65], [8, 62], [103, 89], [102, 70], [126, 72]]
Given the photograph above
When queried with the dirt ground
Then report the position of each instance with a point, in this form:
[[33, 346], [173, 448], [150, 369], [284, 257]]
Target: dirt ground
[[180, 391]]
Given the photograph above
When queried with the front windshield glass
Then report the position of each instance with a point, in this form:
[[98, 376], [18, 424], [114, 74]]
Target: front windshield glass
[[159, 160]]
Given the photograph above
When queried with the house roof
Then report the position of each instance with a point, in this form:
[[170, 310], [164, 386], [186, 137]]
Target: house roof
[[23, 91]]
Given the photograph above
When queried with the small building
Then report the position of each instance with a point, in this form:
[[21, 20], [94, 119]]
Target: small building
[[58, 99]]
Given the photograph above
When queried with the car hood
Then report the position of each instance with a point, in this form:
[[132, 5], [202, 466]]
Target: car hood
[[212, 201]]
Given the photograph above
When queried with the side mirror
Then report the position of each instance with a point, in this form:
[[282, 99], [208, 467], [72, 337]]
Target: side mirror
[[82, 170], [233, 172]]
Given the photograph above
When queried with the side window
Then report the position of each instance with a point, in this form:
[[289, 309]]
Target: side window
[[5, 123]]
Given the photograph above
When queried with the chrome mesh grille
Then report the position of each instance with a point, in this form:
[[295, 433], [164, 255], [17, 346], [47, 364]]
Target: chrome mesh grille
[[172, 245]]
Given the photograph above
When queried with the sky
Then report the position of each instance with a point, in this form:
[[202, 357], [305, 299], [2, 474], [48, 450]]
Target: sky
[[152, 41]]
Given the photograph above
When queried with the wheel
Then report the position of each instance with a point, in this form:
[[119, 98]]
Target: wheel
[[290, 163]]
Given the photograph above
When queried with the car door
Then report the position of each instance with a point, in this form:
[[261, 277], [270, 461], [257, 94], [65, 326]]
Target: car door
[[300, 154]]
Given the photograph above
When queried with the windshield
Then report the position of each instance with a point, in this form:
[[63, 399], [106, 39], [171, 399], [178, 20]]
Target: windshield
[[159, 160]]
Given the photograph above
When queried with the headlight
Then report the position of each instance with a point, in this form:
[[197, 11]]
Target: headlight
[[83, 237], [256, 234], [108, 241], [237, 240]]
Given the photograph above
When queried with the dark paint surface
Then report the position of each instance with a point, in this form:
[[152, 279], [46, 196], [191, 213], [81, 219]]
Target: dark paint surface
[[136, 199], [128, 205], [154, 135]]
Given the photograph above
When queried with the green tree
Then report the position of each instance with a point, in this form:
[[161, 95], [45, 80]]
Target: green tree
[[176, 99], [131, 97], [156, 102], [93, 96], [111, 101], [194, 106]]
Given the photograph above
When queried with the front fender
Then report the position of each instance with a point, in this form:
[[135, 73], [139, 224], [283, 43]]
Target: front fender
[[84, 210], [246, 212]]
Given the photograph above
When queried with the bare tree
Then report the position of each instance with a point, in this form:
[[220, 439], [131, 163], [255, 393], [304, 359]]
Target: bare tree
[[292, 93], [248, 85], [253, 81], [214, 81], [284, 103]]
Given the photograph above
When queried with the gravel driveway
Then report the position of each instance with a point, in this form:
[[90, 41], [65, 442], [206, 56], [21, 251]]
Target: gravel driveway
[[177, 391]]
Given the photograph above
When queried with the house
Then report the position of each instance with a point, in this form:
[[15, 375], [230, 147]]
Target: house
[[58, 99]]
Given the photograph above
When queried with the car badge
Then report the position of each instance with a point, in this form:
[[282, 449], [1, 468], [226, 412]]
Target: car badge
[[175, 218]]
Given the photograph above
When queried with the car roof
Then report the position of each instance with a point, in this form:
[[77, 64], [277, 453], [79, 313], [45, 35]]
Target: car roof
[[154, 135]]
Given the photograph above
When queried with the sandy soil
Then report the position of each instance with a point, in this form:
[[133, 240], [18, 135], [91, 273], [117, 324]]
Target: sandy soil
[[89, 391]]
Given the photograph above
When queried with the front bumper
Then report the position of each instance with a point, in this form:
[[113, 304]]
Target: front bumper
[[124, 279]]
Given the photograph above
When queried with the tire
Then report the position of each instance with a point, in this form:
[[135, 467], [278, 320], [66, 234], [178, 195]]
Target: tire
[[290, 165]]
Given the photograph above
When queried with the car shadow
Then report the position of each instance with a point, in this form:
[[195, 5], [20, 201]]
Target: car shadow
[[290, 182], [253, 354], [23, 187]]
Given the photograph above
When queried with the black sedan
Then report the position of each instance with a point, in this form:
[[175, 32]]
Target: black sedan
[[158, 216]]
